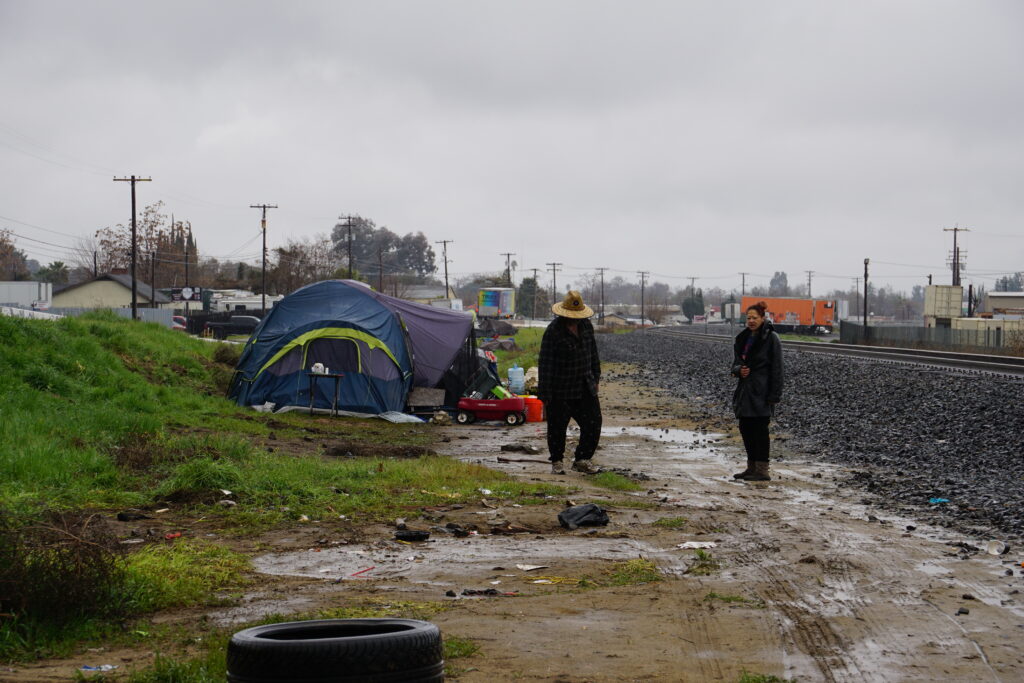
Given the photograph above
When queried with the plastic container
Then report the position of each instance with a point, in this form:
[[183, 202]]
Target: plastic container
[[534, 409], [516, 380]]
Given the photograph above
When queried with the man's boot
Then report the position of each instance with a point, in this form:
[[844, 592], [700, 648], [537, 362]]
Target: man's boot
[[747, 472], [760, 472]]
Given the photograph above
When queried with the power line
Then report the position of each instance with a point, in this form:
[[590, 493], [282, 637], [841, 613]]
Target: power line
[[263, 229]]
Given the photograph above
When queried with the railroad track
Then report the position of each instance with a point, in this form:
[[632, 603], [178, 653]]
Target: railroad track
[[1004, 365]]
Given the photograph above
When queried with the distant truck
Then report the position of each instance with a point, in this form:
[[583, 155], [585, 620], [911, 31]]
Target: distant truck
[[238, 324], [496, 302], [801, 316]]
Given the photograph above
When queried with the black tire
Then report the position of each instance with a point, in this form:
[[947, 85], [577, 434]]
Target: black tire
[[338, 650], [464, 418], [512, 419], [521, 418]]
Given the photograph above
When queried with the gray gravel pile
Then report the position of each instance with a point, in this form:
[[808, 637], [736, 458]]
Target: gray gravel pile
[[915, 433]]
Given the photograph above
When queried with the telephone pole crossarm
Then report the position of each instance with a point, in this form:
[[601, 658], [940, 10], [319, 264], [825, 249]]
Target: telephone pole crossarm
[[263, 228]]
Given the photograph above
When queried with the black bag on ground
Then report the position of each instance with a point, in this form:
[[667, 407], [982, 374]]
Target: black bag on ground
[[583, 515]]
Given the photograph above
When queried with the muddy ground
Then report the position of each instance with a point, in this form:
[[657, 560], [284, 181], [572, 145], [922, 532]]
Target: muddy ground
[[806, 581]]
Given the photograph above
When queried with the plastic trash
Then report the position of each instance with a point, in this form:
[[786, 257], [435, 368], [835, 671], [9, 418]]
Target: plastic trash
[[696, 545], [101, 667], [411, 535], [531, 567], [583, 515], [996, 548], [936, 501], [516, 379]]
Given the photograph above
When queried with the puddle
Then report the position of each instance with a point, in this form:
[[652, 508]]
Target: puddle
[[473, 559]]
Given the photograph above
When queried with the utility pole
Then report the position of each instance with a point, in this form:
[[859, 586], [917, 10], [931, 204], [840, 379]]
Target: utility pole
[[809, 274], [188, 240], [135, 295], [263, 227], [533, 314], [152, 279], [508, 266], [743, 287], [956, 252], [444, 250], [380, 271], [643, 282], [348, 224], [95, 264], [601, 270], [554, 279], [866, 261]]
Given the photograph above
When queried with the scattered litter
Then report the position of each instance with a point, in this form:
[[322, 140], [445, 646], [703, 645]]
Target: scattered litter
[[696, 545], [489, 592], [531, 567], [303, 518], [996, 548], [967, 596], [225, 492], [131, 516], [509, 528], [162, 510], [520, 448], [400, 523], [363, 571], [227, 503], [583, 515], [568, 580], [486, 492], [542, 581], [495, 583], [101, 667], [483, 501], [173, 535], [936, 501], [963, 610], [501, 459], [411, 535], [132, 541]]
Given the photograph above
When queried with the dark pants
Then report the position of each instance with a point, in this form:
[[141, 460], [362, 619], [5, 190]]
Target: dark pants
[[587, 413], [754, 431]]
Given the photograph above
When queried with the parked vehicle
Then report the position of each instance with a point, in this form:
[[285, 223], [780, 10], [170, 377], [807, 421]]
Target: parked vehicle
[[238, 324], [793, 314], [178, 322]]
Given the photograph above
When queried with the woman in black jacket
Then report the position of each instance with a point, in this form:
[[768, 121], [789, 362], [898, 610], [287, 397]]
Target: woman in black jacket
[[757, 362]]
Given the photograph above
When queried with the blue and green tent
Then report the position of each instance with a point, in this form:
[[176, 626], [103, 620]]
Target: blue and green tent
[[383, 345]]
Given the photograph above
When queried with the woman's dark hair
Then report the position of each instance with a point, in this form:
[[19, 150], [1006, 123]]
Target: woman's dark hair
[[761, 308]]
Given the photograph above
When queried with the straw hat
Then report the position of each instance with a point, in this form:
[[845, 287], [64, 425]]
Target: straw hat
[[572, 306]]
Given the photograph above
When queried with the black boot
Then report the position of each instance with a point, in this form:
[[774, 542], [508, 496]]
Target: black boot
[[747, 472], [760, 472]]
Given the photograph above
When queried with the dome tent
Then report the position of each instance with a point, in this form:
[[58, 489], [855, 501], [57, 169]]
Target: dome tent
[[382, 344]]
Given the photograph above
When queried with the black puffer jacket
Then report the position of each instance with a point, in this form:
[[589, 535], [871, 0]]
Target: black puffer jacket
[[757, 395]]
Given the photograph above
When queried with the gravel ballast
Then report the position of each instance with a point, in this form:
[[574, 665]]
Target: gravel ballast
[[910, 434]]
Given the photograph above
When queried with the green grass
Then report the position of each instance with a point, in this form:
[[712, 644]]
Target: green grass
[[733, 600], [671, 522], [105, 413], [704, 563], [184, 573], [528, 341], [634, 572], [800, 338], [614, 482]]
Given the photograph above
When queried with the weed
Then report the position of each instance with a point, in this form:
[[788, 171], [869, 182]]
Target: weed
[[455, 647], [185, 573], [528, 340], [615, 482], [733, 599], [704, 563], [634, 572], [671, 522]]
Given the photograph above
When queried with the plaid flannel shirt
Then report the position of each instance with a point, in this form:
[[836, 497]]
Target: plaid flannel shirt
[[568, 364]]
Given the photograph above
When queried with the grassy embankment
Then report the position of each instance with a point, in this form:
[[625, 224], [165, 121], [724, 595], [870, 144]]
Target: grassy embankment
[[101, 415]]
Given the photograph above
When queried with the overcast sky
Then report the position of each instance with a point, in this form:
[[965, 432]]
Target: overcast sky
[[688, 139]]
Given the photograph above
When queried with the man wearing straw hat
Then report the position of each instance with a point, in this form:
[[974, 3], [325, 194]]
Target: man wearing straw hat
[[569, 374]]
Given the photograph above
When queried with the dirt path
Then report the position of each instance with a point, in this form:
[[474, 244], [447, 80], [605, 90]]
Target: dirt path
[[811, 584], [805, 581]]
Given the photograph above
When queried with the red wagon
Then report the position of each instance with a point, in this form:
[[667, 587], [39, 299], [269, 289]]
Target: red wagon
[[511, 410]]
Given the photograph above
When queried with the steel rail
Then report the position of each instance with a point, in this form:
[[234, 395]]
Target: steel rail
[[1010, 365]]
